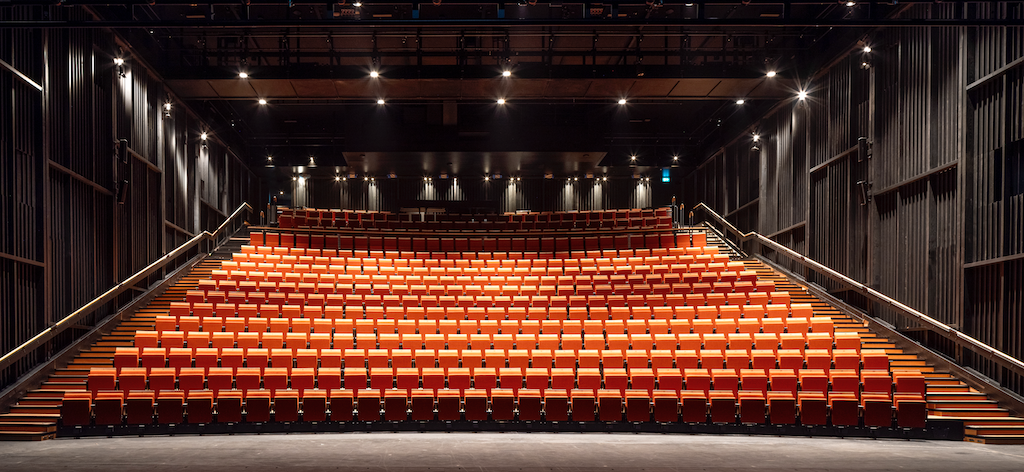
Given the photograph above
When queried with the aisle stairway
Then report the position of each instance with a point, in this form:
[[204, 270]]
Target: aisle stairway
[[36, 415], [948, 397]]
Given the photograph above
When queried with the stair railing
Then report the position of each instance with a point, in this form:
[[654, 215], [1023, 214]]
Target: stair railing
[[928, 322], [211, 242]]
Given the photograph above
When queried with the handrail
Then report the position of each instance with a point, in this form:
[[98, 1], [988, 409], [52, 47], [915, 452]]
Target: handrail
[[943, 329], [58, 327]]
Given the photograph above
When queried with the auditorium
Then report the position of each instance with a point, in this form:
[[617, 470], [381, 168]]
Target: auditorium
[[531, 235]]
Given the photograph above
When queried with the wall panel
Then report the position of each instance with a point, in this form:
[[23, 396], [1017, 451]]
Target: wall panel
[[931, 210]]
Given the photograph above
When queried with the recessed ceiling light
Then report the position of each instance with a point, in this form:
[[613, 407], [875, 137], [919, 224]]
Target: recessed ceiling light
[[501, 101], [167, 106], [374, 74], [850, 4], [380, 101], [757, 137], [202, 135], [675, 158], [506, 73], [118, 61], [770, 74], [243, 75], [337, 178], [740, 101], [622, 101], [632, 157], [282, 192], [802, 95], [263, 101], [357, 4], [867, 48]]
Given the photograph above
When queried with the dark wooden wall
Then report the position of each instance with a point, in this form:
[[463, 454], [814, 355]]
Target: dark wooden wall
[[64, 237], [943, 227]]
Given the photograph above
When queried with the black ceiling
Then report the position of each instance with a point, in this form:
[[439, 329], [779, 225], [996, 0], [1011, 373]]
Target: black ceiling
[[680, 66]]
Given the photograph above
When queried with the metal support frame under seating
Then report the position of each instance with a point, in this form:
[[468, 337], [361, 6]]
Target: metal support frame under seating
[[928, 322]]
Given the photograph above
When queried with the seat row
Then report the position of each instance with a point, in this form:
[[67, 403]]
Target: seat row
[[617, 276], [708, 258], [658, 359], [275, 379], [689, 248], [481, 242], [520, 341], [343, 243], [695, 407], [726, 326]]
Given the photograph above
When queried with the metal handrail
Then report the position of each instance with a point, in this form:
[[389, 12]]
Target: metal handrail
[[58, 327], [942, 329]]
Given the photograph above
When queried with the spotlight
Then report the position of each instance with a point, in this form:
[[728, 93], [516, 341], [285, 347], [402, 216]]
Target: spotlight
[[366, 179], [867, 48], [345, 179], [263, 101], [243, 75], [633, 157], [740, 101], [487, 178], [850, 4], [380, 101], [357, 4], [167, 106], [622, 101], [118, 61], [202, 136], [282, 192], [675, 158], [293, 178], [757, 137], [374, 74], [574, 179], [337, 178], [424, 179], [501, 101], [770, 74], [506, 73], [801, 96], [270, 159]]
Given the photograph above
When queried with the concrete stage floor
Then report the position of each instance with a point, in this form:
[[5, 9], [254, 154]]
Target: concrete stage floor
[[502, 452]]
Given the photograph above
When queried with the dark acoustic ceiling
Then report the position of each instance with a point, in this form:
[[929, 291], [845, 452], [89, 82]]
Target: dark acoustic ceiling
[[681, 67]]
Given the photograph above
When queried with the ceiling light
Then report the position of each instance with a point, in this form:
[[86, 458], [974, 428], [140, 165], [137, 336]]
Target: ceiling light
[[770, 74], [202, 136], [337, 178], [424, 179], [263, 101], [506, 73], [293, 178], [374, 74], [757, 137], [801, 96], [118, 61], [604, 179], [357, 4], [867, 48], [850, 4], [270, 158], [486, 178], [633, 157], [622, 101], [282, 192], [501, 101], [574, 179], [366, 179], [344, 178], [243, 75], [167, 106], [740, 101], [675, 158], [380, 101]]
